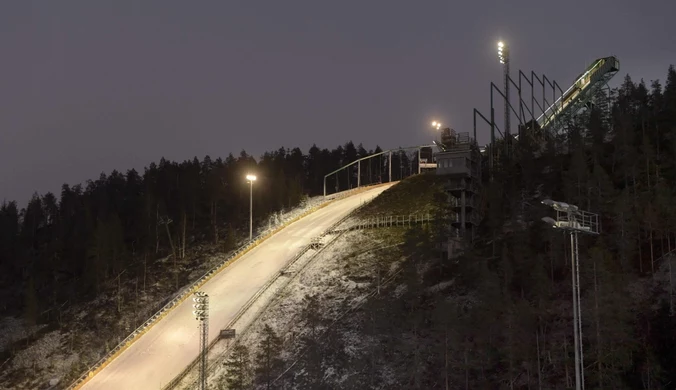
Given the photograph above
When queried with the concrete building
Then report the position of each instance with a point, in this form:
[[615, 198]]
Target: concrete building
[[460, 159]]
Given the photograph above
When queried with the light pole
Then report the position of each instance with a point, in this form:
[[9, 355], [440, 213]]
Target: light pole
[[201, 314], [573, 220], [436, 125], [251, 179], [503, 56]]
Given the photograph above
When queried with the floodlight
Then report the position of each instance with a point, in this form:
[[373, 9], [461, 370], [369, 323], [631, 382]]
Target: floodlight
[[550, 221], [560, 206]]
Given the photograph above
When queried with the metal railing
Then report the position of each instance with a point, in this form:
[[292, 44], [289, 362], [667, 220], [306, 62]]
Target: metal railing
[[381, 168], [470, 201], [469, 185], [360, 302], [177, 380], [391, 221], [472, 217], [187, 291]]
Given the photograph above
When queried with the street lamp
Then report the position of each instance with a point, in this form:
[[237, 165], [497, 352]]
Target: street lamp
[[436, 125], [503, 56], [251, 179], [201, 314], [570, 218]]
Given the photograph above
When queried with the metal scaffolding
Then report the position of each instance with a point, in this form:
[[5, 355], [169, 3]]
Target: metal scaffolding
[[547, 114], [201, 313], [388, 154]]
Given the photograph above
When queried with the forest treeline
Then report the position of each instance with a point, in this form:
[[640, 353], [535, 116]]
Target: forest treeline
[[63, 248], [507, 320], [620, 163], [504, 316]]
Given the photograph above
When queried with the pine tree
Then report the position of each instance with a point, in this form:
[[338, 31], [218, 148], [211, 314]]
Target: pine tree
[[269, 363], [312, 358], [238, 375]]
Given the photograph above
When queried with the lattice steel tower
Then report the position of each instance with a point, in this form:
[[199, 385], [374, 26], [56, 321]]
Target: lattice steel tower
[[201, 313], [503, 56]]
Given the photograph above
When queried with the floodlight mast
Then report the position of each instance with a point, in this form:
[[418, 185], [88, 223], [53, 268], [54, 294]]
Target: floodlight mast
[[570, 218], [201, 314], [503, 56]]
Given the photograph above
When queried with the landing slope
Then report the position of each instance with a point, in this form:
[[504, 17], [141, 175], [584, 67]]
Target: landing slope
[[172, 343]]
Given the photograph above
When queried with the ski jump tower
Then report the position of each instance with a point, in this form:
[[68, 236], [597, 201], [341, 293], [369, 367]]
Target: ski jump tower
[[547, 113], [543, 111]]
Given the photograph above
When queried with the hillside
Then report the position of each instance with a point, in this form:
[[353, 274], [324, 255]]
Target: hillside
[[415, 195], [80, 271], [378, 309], [85, 332], [499, 316], [315, 324]]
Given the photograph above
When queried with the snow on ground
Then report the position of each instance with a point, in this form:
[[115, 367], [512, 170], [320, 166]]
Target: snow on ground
[[47, 355], [400, 290], [34, 356], [53, 355], [278, 219], [342, 273], [14, 329], [321, 276], [440, 286]]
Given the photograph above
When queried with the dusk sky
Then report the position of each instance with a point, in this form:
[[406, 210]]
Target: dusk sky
[[91, 86]]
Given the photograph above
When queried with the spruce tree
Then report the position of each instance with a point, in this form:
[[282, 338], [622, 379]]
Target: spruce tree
[[238, 375], [269, 362]]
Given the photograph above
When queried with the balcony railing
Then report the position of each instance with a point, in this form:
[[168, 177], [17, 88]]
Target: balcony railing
[[470, 201], [468, 185], [470, 217]]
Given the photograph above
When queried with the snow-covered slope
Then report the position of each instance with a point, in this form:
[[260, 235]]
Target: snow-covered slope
[[172, 343]]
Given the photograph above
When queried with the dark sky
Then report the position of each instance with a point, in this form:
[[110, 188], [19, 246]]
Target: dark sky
[[91, 86]]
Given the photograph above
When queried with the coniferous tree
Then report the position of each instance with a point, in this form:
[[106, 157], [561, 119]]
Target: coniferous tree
[[269, 363], [312, 358], [621, 163], [238, 375]]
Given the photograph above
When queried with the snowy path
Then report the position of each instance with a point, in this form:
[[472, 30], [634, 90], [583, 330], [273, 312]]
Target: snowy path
[[157, 356]]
